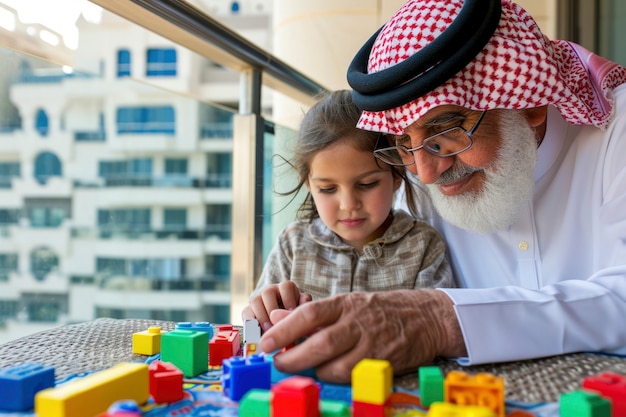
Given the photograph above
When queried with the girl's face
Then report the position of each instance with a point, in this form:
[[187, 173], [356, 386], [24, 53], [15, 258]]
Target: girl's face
[[352, 193]]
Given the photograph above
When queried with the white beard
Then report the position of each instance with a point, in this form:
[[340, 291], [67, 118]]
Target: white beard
[[509, 180]]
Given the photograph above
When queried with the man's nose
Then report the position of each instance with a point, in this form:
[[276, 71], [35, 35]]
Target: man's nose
[[429, 167]]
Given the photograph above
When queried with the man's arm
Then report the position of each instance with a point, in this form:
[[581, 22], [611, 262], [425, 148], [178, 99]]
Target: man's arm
[[407, 327]]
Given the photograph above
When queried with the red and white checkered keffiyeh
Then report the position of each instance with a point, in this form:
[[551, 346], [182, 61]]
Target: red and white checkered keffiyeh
[[518, 68]]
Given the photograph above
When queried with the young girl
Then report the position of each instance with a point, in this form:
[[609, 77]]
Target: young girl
[[347, 237]]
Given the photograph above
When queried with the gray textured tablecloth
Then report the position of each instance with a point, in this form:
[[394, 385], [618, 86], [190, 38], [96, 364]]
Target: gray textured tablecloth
[[101, 343]]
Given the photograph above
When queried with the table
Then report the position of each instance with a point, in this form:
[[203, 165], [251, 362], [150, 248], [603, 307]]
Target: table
[[98, 344]]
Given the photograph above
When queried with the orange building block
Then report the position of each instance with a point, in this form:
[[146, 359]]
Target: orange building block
[[482, 389], [93, 394]]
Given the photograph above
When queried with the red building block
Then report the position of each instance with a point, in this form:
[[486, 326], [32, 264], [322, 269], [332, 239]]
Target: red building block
[[361, 409], [166, 382], [296, 396], [223, 345], [612, 386]]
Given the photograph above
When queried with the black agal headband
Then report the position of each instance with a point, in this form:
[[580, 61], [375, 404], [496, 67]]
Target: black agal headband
[[430, 67]]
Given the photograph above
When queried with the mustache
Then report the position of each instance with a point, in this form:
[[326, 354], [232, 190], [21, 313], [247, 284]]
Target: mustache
[[455, 173]]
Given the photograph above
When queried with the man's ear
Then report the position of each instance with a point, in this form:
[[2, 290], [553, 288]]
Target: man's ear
[[536, 116]]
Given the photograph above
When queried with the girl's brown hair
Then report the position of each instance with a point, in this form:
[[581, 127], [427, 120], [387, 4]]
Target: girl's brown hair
[[332, 118]]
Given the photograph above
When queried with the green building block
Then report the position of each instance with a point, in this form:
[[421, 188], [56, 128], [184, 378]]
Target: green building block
[[430, 385], [255, 403], [332, 408], [188, 350], [583, 404]]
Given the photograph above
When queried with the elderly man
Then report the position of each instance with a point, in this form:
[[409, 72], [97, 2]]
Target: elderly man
[[519, 146]]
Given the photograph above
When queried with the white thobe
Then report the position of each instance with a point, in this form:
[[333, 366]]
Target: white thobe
[[555, 281]]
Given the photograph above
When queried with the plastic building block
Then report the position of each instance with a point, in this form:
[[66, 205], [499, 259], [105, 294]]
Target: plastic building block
[[372, 380], [251, 336], [93, 394], [296, 396], [430, 385], [223, 345], [166, 382], [279, 376], [255, 403], [362, 409], [583, 404], [612, 386], [335, 392], [331, 408], [482, 389], [148, 342], [19, 384], [441, 409], [200, 326], [188, 350], [240, 375]]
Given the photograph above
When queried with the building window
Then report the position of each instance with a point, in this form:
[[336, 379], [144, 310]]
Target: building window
[[175, 166], [42, 262], [123, 63], [8, 170], [47, 216], [134, 172], [9, 216], [41, 122], [142, 120], [124, 219], [8, 264], [161, 62], [47, 165], [175, 219]]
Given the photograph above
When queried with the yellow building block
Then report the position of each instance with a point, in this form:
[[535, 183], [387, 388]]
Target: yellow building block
[[148, 342], [439, 409], [482, 389], [93, 394], [372, 380]]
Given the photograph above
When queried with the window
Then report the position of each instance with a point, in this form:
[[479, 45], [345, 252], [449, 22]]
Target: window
[[123, 63], [8, 170], [133, 172], [124, 219], [9, 216], [47, 216], [41, 122], [175, 166], [161, 62], [142, 120], [175, 219], [8, 263], [47, 165], [42, 262]]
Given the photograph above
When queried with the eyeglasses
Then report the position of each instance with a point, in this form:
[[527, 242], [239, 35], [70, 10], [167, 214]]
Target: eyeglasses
[[449, 142]]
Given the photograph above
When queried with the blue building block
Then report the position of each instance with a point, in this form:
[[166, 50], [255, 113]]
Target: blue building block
[[336, 392], [240, 375], [199, 326], [278, 376], [19, 384]]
